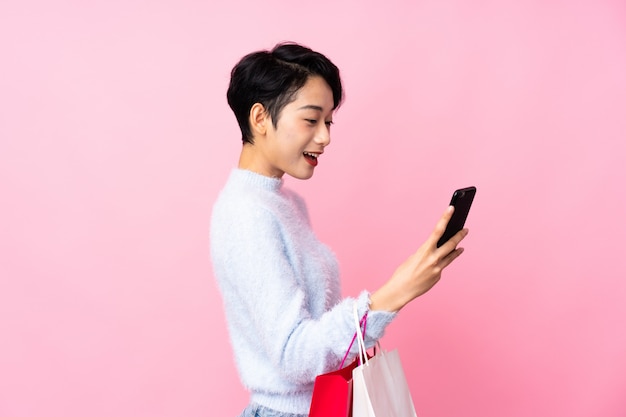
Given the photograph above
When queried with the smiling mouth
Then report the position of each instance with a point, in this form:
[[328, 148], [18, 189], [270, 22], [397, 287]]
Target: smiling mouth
[[311, 158]]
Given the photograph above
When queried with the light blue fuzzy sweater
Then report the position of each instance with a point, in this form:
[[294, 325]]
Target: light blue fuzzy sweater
[[281, 292]]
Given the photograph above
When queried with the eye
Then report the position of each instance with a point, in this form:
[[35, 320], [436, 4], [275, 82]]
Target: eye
[[311, 121], [329, 123]]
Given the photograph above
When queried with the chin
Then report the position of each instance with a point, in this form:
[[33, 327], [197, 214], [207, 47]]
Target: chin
[[301, 175]]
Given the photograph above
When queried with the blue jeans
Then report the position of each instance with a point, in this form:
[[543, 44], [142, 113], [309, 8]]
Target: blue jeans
[[255, 410]]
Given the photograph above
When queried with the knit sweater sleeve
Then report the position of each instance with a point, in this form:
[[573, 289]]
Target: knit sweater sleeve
[[268, 307]]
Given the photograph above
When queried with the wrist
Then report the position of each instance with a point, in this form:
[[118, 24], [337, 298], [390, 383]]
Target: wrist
[[385, 299]]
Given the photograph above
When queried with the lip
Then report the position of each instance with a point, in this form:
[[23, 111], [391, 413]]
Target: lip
[[312, 161]]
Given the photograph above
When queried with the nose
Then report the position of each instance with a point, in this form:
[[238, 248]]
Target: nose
[[323, 135]]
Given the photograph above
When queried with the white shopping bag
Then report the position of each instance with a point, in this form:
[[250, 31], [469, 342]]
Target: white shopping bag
[[379, 386]]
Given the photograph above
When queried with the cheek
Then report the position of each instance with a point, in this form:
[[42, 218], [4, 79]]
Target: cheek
[[294, 137]]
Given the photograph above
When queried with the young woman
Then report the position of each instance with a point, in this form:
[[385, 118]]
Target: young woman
[[280, 285]]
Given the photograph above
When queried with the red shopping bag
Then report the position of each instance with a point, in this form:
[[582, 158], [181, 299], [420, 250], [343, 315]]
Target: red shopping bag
[[332, 392]]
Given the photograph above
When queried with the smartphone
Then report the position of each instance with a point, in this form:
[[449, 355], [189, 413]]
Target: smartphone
[[462, 201]]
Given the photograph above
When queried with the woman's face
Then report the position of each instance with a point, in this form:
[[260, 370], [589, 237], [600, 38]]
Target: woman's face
[[301, 133]]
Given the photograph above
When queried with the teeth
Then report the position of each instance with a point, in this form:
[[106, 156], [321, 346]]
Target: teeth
[[311, 155]]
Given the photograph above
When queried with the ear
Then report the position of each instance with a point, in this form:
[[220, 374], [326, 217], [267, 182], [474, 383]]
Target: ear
[[258, 119]]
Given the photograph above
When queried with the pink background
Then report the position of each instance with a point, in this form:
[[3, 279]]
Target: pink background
[[115, 138]]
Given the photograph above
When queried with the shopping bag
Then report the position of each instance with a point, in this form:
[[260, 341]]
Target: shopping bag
[[379, 386], [332, 392]]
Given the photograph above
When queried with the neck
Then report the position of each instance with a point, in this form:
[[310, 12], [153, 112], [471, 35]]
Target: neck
[[249, 160]]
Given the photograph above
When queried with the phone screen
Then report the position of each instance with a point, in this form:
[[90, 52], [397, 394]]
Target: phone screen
[[462, 201]]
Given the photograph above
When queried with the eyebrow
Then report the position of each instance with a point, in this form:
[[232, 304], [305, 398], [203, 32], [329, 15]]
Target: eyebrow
[[311, 107]]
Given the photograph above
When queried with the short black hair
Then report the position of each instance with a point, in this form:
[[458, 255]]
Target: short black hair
[[273, 78]]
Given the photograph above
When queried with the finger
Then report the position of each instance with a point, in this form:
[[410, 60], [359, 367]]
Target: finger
[[452, 243], [458, 237], [441, 225], [449, 258]]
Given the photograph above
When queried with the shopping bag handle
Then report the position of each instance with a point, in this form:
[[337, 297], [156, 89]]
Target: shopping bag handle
[[359, 337], [361, 323]]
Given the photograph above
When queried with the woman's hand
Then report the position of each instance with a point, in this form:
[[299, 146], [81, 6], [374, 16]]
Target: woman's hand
[[421, 271]]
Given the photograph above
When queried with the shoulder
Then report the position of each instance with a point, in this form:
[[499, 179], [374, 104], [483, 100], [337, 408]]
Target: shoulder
[[238, 208], [251, 204], [245, 208], [244, 192]]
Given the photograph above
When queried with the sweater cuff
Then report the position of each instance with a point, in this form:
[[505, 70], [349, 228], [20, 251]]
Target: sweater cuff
[[377, 321]]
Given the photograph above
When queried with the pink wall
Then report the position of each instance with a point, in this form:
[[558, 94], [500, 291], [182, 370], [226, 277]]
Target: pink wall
[[115, 137]]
